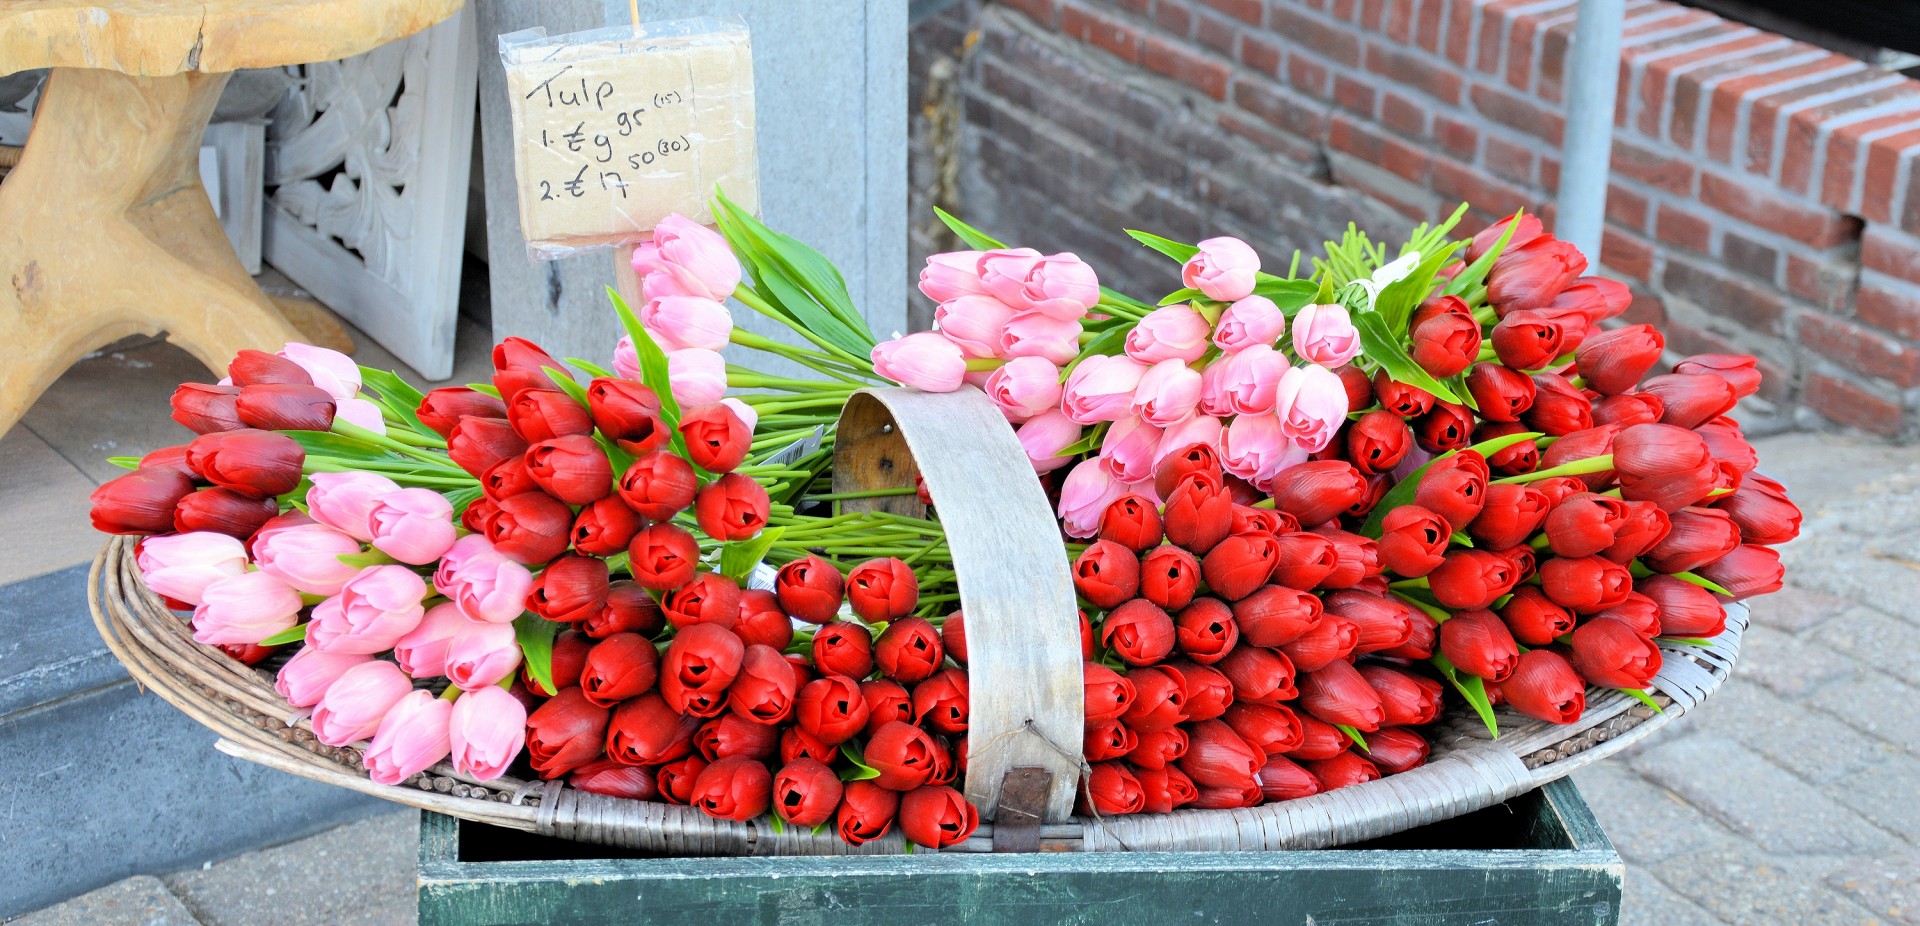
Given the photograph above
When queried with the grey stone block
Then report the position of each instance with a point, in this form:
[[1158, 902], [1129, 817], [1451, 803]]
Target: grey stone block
[[1645, 901], [48, 647], [1884, 793], [137, 901], [1810, 743], [1756, 798], [1743, 886], [361, 874], [1887, 885], [113, 782], [1873, 637], [1789, 666], [1645, 821], [1875, 703], [1794, 609]]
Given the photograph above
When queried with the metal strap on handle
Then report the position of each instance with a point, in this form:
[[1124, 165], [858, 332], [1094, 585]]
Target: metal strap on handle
[[1023, 624]]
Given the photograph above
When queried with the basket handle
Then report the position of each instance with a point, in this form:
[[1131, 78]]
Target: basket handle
[[1023, 624]]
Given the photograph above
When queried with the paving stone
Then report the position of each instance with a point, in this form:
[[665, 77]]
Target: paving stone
[[1810, 743], [138, 901], [1794, 608], [1789, 666], [1645, 821], [1885, 793], [115, 402], [1805, 463], [1743, 886], [1875, 703], [1648, 902], [48, 648], [1873, 637], [1756, 798], [1887, 885], [363, 873], [45, 499]]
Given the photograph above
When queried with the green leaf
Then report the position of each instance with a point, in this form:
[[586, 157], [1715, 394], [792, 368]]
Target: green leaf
[[1703, 582], [125, 462], [1110, 342], [460, 499], [484, 389], [1353, 733], [293, 634], [341, 447], [1643, 698], [1173, 249], [975, 238], [1115, 297], [1473, 689], [1187, 294], [738, 558], [1403, 491], [535, 635], [397, 396], [774, 821], [1690, 641], [1289, 296], [591, 369], [568, 384], [820, 828], [860, 771], [653, 369], [804, 283], [1380, 345], [1398, 299], [1467, 279]]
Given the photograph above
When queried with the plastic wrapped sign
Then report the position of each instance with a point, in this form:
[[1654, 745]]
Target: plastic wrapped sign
[[616, 128]]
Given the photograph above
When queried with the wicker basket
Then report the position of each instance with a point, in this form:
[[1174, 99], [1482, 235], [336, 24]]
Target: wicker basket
[[1026, 707]]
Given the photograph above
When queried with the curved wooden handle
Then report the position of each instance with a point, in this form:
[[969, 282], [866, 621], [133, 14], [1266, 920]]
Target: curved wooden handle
[[1023, 623]]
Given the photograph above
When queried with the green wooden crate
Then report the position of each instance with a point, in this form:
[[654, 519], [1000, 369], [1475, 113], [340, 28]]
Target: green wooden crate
[[1538, 860]]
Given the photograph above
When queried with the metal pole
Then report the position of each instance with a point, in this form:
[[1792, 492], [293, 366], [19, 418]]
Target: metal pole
[[1589, 143]]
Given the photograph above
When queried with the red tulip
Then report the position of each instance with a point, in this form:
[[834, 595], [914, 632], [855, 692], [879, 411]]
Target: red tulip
[[1276, 615], [867, 812], [544, 414], [1333, 638], [207, 409], [1193, 458], [1169, 576], [1420, 643], [1533, 617], [1218, 758], [1165, 789], [1209, 691], [733, 788], [1317, 491], [1160, 700], [220, 510], [1271, 730], [937, 817], [1132, 521], [443, 408], [1304, 560], [1239, 564], [658, 485], [1512, 513], [909, 650], [1628, 408], [520, 364], [1530, 274], [1106, 574], [1138, 632], [1356, 558], [735, 735], [1359, 387], [1477, 643], [953, 636], [1527, 340], [565, 733], [627, 609], [1686, 609], [1281, 779], [676, 779], [619, 667], [1692, 399], [1397, 749], [1108, 741], [1235, 797], [1762, 511], [140, 502], [508, 478], [882, 590], [1558, 408], [1502, 393], [1108, 694], [605, 776], [1400, 398], [696, 669], [628, 413], [662, 557], [531, 527], [1585, 524], [1699, 536], [1471, 579], [253, 367], [1198, 512], [1728, 444], [1378, 441], [173, 458], [903, 754], [1159, 748], [285, 407], [1111, 790], [1446, 343], [1454, 487], [1639, 613], [831, 709], [1644, 526], [1667, 465], [1337, 693], [1318, 740], [941, 702], [1581, 445], [1613, 361], [843, 648], [1609, 654], [887, 701], [1585, 584], [717, 439], [767, 687], [571, 589], [1739, 370], [569, 660], [1347, 768], [604, 527], [732, 507], [1407, 699], [1382, 623], [1259, 675], [810, 589], [806, 792], [476, 444], [1413, 540]]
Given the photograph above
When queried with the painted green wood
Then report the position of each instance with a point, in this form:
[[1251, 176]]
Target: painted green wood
[[1539, 860]]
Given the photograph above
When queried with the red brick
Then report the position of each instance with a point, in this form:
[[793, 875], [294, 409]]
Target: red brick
[[1749, 202], [1891, 252], [1656, 75], [1103, 32], [1849, 404], [1218, 33], [1860, 89], [1174, 16], [1135, 6], [1683, 338], [1458, 137], [1626, 207], [1351, 94], [1272, 144], [1416, 71], [1882, 173], [1731, 100], [1403, 115], [1259, 54], [1457, 38], [1040, 11], [1861, 349], [1700, 86], [1758, 308], [1811, 130], [1428, 26], [1681, 228], [1753, 258], [1306, 74], [1523, 44], [1508, 161], [1183, 64], [1554, 42], [1629, 254], [1301, 29], [1828, 285], [1252, 12], [1515, 112], [1456, 180], [1547, 175], [1661, 170], [1883, 308], [1400, 21], [1847, 148], [1647, 308], [1281, 108]]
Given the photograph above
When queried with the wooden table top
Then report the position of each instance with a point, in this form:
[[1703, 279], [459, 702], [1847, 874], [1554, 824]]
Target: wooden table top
[[160, 37]]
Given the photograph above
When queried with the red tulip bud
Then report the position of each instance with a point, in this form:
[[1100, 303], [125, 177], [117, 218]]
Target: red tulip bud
[[1281, 779], [1169, 576], [1667, 465], [887, 701], [1165, 789], [1106, 574], [569, 660], [220, 510], [734, 788], [571, 589], [662, 557], [1205, 631], [909, 650], [140, 502], [476, 444], [1545, 686], [1259, 675], [676, 779], [937, 817], [1581, 445], [1514, 459], [1454, 487], [1691, 399], [717, 439], [1639, 613], [1530, 275], [1198, 512], [797, 744], [1413, 540], [1276, 615], [1333, 638], [1317, 491], [1160, 701], [628, 609], [443, 408], [1471, 579], [843, 648], [1318, 740], [1698, 536], [520, 364], [1446, 427], [882, 590], [658, 485], [1421, 642], [1209, 691], [1111, 790], [1406, 698], [1585, 584], [565, 733], [544, 414], [1627, 409], [1337, 693], [1609, 654], [508, 478], [953, 636], [1400, 398], [903, 754], [732, 735], [1108, 695], [1132, 521], [1613, 361], [531, 527], [1446, 343], [604, 527], [628, 413], [732, 507], [1272, 730], [1193, 458], [831, 708], [867, 812], [605, 776], [1686, 609], [760, 620], [1558, 408], [1527, 340], [941, 702], [1762, 511], [1382, 623], [810, 589], [1477, 643], [1585, 524], [699, 664], [1533, 617], [1739, 370], [806, 792], [1218, 758], [1378, 441], [1512, 513], [207, 409], [1502, 393], [1239, 564], [256, 367], [619, 667], [285, 407], [1138, 632], [1233, 797], [1359, 387]]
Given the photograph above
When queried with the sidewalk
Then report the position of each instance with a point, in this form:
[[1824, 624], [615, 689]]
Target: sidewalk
[[1788, 798]]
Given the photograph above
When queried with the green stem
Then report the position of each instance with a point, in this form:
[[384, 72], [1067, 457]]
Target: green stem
[[867, 493], [752, 300], [1599, 464]]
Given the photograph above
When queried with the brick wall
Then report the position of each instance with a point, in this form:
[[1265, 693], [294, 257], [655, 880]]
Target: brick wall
[[1763, 196]]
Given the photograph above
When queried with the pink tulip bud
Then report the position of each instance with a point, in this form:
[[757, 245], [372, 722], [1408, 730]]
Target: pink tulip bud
[[481, 654], [681, 322], [1243, 383], [1250, 321], [422, 653], [1223, 269], [952, 275], [414, 526], [1085, 495], [1036, 334], [306, 556], [695, 257], [482, 581], [1168, 393], [1174, 332], [1325, 335], [360, 413], [743, 411], [246, 608], [1256, 449], [699, 376], [1130, 449], [487, 729], [1043, 435], [626, 360], [1101, 388], [1198, 429], [1059, 286], [1025, 387], [331, 370], [975, 323], [1311, 404], [412, 737], [181, 566], [374, 609], [342, 501], [924, 360], [307, 676], [355, 703]]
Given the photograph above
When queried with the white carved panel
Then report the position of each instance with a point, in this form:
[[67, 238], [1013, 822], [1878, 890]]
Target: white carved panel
[[368, 158]]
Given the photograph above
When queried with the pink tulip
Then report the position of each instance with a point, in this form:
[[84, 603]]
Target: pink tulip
[[1223, 269], [331, 370], [626, 360], [975, 323], [949, 276], [1035, 334], [481, 654], [411, 738], [412, 525], [924, 360], [1325, 335], [374, 609], [1196, 429], [357, 701], [487, 730], [246, 608], [1243, 383], [1250, 321], [1130, 449], [698, 376], [1059, 286], [1167, 393], [741, 410], [1085, 495], [1043, 435], [1025, 387], [482, 581], [361, 414], [1174, 332], [1255, 449], [181, 566], [1101, 388], [680, 322], [422, 653], [342, 501], [306, 557], [694, 256], [1311, 404], [307, 676]]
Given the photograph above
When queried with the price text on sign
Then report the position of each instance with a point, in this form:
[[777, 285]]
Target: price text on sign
[[613, 132]]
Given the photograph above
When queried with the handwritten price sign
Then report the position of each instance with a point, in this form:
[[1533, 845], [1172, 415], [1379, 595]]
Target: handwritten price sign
[[613, 131]]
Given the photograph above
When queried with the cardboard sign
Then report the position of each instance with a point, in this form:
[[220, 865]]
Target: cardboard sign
[[616, 128]]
